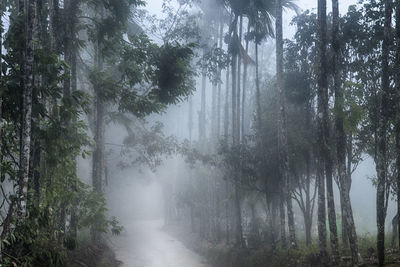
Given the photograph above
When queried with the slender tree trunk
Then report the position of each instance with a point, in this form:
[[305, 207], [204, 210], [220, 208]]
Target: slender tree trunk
[[27, 89], [381, 166], [1, 89], [234, 97], [221, 34], [282, 128], [54, 24], [273, 221], [202, 115], [322, 88], [213, 135], [282, 220], [308, 205], [323, 97], [397, 71], [239, 74], [349, 230], [226, 108], [258, 93], [202, 119], [1, 104], [99, 130], [244, 86], [238, 212]]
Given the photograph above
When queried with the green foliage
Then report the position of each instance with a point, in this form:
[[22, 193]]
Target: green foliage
[[304, 256], [212, 62]]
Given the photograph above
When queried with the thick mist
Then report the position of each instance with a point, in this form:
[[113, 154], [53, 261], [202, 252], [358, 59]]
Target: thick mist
[[199, 133]]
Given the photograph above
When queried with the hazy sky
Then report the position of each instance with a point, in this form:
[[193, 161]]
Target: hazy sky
[[154, 7]]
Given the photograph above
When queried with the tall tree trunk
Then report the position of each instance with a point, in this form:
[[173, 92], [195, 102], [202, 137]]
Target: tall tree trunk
[[221, 35], [202, 118], [244, 86], [309, 205], [238, 213], [99, 130], [226, 107], [397, 71], [54, 24], [349, 231], [239, 74], [282, 127], [27, 89], [282, 220], [323, 97], [234, 97], [381, 166], [1, 104], [258, 93], [322, 88], [213, 135]]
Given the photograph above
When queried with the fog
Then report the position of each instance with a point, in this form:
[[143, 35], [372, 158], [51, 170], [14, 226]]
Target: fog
[[199, 133], [140, 196]]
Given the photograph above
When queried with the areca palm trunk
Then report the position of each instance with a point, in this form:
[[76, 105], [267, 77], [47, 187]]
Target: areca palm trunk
[[244, 86], [1, 84], [218, 126], [397, 6], [349, 232], [282, 128], [322, 88], [381, 158], [258, 93], [202, 118], [1, 97], [239, 74], [226, 107], [26, 122], [235, 139], [54, 10], [98, 163]]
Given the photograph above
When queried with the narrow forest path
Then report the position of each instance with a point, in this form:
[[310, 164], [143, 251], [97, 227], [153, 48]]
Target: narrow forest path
[[145, 244]]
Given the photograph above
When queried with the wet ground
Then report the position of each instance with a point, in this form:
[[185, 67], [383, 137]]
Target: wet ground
[[145, 244]]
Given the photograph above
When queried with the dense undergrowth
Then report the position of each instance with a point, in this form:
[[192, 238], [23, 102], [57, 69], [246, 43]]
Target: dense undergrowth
[[223, 255], [51, 254]]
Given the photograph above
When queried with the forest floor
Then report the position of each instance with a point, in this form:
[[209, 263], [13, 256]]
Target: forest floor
[[221, 255], [146, 244], [86, 255]]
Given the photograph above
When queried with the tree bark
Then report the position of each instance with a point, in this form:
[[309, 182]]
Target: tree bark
[[282, 220], [99, 130], [322, 88], [397, 71], [27, 89], [381, 165], [1, 106], [258, 93], [282, 127], [54, 24], [202, 118], [244, 87], [226, 107], [239, 74], [238, 212], [218, 126], [349, 230]]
